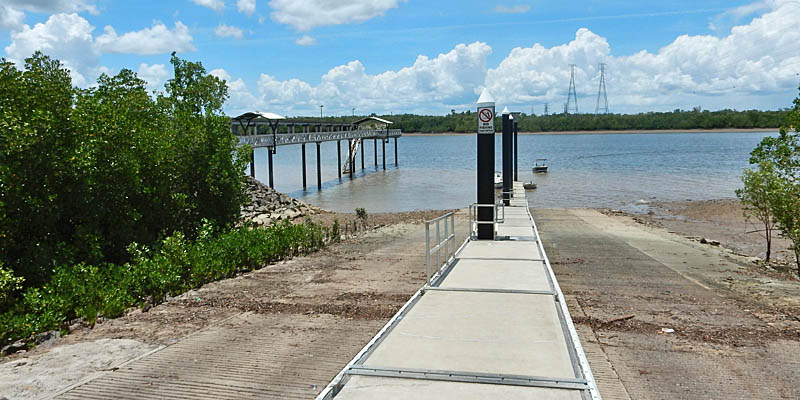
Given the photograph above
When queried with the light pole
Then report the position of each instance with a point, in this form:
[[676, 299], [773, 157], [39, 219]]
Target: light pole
[[320, 111]]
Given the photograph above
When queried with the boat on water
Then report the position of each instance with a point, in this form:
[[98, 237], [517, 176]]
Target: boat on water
[[529, 185], [540, 165], [498, 180]]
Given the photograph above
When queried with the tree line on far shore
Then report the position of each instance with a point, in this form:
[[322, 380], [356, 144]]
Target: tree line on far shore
[[466, 122]]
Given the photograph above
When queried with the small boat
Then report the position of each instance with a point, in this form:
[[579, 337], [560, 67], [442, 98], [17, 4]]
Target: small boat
[[540, 165], [498, 180], [529, 185]]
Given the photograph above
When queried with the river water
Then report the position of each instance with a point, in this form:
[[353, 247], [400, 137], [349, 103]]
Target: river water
[[623, 171]]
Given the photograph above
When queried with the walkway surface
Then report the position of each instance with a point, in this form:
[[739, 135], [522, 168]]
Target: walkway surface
[[492, 323]]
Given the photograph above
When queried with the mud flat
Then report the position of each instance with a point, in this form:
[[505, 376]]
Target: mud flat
[[721, 221]]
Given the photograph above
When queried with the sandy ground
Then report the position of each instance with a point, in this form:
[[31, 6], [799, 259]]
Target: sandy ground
[[673, 317], [312, 313], [722, 221]]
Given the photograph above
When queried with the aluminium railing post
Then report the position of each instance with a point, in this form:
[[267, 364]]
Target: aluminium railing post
[[446, 241], [438, 242], [428, 252], [453, 232]]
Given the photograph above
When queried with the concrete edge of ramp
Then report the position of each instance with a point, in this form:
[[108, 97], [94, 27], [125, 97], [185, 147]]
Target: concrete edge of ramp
[[410, 378]]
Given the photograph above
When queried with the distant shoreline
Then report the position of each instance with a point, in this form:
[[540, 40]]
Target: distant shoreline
[[616, 132]]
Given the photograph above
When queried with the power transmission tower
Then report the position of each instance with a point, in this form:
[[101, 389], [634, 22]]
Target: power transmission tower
[[546, 108], [601, 92], [572, 96]]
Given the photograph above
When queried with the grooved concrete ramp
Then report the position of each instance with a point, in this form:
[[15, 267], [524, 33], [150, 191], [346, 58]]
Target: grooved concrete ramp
[[249, 356]]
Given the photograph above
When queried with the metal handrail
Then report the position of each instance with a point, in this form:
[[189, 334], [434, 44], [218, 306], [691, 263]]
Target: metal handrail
[[441, 243], [473, 218], [501, 214]]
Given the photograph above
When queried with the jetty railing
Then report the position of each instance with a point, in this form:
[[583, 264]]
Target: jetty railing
[[474, 222], [442, 242], [283, 139]]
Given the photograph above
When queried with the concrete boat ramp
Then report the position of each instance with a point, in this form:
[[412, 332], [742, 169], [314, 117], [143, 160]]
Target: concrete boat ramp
[[491, 323]]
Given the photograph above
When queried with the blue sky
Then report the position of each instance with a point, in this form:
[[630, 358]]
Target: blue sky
[[290, 56]]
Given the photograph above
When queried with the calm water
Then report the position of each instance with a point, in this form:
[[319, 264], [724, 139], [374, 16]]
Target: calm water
[[604, 170]]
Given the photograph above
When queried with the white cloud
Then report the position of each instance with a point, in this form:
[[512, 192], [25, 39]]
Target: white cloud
[[306, 41], [11, 18], [750, 67], [216, 5], [755, 61], [537, 74], [309, 14], [228, 31], [246, 6], [425, 86], [155, 40], [154, 75], [241, 99], [69, 38], [66, 37], [518, 9]]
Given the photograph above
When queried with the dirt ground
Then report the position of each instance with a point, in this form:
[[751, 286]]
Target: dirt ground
[[674, 318], [722, 221], [324, 306]]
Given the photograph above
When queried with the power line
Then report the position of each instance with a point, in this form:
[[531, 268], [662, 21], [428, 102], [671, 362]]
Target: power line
[[572, 95], [601, 92]]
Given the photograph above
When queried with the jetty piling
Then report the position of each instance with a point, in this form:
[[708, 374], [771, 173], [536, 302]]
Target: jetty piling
[[339, 158], [319, 167], [303, 152], [516, 135]]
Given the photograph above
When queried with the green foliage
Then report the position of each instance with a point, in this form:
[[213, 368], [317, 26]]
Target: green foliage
[[361, 214], [778, 174], [760, 195], [336, 231], [88, 291], [85, 173], [9, 285]]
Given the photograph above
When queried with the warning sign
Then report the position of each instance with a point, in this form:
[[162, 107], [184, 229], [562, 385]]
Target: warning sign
[[486, 120]]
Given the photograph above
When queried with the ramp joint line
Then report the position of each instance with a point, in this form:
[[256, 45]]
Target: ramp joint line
[[488, 290], [470, 377]]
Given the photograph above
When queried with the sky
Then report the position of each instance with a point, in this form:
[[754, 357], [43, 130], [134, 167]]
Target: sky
[[430, 57]]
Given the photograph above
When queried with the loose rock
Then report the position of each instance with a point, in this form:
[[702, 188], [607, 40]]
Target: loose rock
[[267, 205]]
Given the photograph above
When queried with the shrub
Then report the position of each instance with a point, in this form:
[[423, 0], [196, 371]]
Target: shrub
[[177, 265], [86, 172], [9, 285]]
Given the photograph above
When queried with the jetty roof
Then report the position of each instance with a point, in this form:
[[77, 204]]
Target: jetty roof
[[256, 114], [381, 120]]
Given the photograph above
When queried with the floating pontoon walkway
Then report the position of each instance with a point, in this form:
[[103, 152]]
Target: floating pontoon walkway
[[492, 323]]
